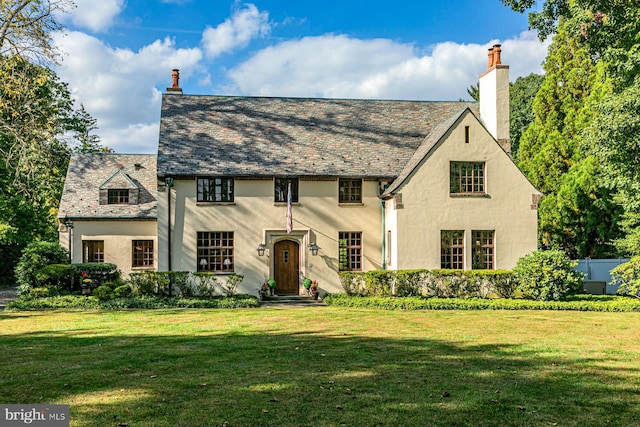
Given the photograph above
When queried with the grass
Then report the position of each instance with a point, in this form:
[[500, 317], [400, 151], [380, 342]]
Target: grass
[[326, 366]]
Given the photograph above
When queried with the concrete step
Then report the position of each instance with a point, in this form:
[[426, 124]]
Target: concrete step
[[287, 301]]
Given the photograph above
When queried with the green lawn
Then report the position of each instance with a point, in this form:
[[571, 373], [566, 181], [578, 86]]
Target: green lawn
[[325, 366]]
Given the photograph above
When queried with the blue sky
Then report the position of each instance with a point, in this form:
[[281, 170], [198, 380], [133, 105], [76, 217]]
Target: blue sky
[[118, 54]]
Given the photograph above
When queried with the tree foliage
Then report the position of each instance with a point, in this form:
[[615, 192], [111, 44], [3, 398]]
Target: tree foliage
[[521, 95], [26, 27], [39, 127]]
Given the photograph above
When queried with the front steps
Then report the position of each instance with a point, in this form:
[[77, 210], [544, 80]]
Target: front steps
[[291, 301]]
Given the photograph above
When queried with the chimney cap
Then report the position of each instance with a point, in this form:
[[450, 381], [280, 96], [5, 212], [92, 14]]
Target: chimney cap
[[175, 82]]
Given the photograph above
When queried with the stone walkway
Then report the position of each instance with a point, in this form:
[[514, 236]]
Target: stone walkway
[[7, 295]]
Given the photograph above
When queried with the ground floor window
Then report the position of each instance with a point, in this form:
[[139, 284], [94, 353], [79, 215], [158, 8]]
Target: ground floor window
[[452, 249], [215, 251], [482, 250], [93, 251], [350, 251], [142, 253]]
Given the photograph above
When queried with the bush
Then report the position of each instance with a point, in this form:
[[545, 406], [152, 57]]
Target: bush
[[233, 280], [206, 284], [164, 283], [57, 275], [547, 276], [36, 256], [103, 293], [627, 275], [576, 303], [98, 272], [431, 283], [122, 291]]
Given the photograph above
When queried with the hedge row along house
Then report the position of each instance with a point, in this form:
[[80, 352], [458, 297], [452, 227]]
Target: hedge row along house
[[288, 188]]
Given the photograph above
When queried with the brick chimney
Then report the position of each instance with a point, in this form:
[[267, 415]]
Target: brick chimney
[[175, 83], [494, 98]]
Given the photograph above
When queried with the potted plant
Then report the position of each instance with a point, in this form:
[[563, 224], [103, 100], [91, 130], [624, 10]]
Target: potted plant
[[313, 289], [263, 292], [307, 284], [85, 283], [272, 286]]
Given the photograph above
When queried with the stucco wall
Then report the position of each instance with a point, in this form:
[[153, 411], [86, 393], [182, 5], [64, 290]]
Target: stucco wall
[[117, 237], [429, 208], [255, 218]]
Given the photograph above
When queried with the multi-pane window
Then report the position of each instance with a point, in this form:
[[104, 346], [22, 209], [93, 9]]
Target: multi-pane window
[[452, 249], [350, 251], [215, 189], [281, 188], [93, 251], [118, 197], [350, 191], [467, 178], [215, 251], [482, 250], [142, 253]]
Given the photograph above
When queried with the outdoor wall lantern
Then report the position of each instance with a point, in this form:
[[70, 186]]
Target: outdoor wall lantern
[[261, 249], [313, 248]]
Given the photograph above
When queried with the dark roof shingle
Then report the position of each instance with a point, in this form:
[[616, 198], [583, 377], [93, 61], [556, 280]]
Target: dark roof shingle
[[87, 173], [253, 136]]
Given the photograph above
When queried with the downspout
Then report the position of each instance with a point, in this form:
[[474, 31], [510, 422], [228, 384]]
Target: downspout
[[169, 182], [384, 234]]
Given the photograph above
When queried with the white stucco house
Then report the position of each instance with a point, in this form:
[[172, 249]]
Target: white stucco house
[[288, 188]]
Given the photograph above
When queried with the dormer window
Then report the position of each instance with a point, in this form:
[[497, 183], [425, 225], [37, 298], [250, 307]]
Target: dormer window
[[118, 197]]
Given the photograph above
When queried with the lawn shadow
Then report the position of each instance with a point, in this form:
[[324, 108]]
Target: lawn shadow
[[308, 378]]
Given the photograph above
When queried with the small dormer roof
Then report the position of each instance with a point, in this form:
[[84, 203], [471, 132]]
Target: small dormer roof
[[120, 181]]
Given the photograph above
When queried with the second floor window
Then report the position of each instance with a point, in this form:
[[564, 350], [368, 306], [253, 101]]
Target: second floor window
[[350, 191], [467, 178], [118, 197], [281, 186], [215, 189]]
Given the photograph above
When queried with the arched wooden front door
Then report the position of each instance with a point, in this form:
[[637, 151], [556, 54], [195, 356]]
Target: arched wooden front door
[[286, 266]]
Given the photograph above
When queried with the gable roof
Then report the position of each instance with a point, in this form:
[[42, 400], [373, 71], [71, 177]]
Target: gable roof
[[120, 181], [427, 146], [88, 173], [257, 136]]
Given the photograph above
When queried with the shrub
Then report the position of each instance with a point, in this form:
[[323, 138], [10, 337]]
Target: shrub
[[103, 293], [233, 280], [122, 291], [547, 276], [98, 272], [142, 283], [36, 256], [57, 275], [206, 284], [627, 275]]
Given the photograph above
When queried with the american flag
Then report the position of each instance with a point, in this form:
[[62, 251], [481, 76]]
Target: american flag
[[289, 213]]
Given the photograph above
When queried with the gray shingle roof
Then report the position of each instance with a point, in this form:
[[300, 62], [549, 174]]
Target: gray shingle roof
[[423, 151], [87, 173], [250, 136]]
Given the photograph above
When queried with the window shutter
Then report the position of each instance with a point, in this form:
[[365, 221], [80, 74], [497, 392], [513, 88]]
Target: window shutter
[[104, 197]]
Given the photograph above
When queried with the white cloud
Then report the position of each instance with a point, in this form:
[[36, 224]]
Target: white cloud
[[339, 66], [96, 16], [118, 86], [236, 32]]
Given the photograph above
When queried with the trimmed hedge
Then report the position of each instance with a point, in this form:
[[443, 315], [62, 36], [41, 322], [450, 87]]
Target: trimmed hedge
[[577, 303], [430, 283], [183, 283], [78, 302]]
